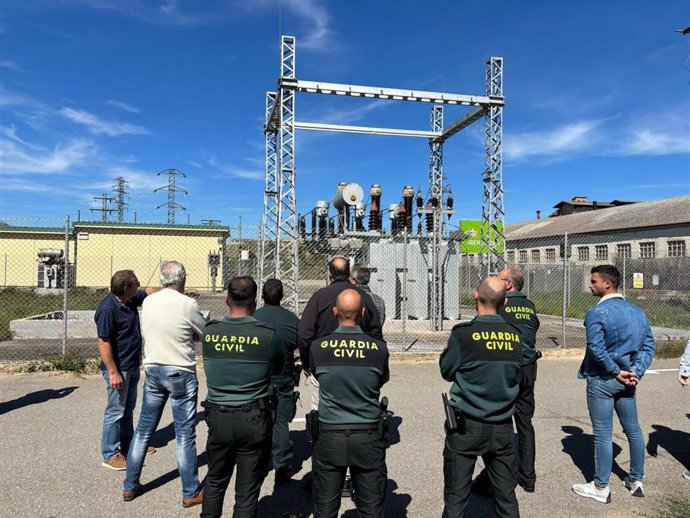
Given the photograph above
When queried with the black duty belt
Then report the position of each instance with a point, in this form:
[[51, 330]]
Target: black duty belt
[[359, 427], [246, 407]]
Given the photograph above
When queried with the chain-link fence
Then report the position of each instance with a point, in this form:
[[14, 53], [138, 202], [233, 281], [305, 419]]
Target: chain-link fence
[[55, 268]]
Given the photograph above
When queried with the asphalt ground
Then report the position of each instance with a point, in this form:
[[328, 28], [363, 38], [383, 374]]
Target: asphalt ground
[[50, 427]]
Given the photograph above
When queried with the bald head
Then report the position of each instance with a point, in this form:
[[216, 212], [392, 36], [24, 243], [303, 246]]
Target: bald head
[[490, 294], [339, 269], [348, 307]]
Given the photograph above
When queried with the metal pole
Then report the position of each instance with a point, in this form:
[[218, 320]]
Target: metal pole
[[239, 265], [404, 290], [625, 255], [65, 283], [565, 286]]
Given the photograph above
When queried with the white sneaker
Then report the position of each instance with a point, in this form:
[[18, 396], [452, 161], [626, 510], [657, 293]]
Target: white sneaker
[[686, 475], [590, 490], [634, 486]]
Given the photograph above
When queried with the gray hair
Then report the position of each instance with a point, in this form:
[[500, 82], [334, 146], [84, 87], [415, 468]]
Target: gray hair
[[361, 274], [172, 274]]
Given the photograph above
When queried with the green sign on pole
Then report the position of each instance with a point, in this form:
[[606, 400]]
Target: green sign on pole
[[473, 243]]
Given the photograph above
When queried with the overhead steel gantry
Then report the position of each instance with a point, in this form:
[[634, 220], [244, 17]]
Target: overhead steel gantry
[[279, 235]]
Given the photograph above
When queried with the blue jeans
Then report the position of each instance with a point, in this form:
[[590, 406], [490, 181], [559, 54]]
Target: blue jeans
[[182, 388], [603, 397], [118, 421]]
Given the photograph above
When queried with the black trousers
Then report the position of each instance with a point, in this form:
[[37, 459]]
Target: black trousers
[[494, 443], [524, 412], [364, 452], [282, 450], [242, 438]]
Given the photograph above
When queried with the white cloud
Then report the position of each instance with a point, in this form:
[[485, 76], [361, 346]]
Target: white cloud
[[123, 106], [97, 125], [10, 65], [235, 171], [567, 139], [16, 158], [659, 134], [320, 35], [195, 164]]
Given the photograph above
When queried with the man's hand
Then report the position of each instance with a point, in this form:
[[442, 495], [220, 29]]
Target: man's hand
[[628, 378], [116, 380], [684, 380]]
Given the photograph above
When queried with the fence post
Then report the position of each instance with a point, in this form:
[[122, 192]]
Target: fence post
[[624, 258], [239, 262], [65, 285], [565, 287], [404, 291]]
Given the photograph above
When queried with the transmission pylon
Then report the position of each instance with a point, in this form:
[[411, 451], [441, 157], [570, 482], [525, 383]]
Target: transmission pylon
[[104, 210], [172, 190], [120, 190]]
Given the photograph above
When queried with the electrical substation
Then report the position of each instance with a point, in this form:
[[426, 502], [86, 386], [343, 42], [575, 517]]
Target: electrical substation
[[399, 252]]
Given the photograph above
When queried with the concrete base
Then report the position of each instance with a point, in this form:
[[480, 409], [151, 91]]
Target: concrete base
[[80, 324]]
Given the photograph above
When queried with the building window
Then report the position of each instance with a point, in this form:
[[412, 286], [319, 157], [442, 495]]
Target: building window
[[523, 256], [551, 255], [535, 256], [647, 250], [676, 248], [583, 253], [511, 256], [624, 251], [601, 252]]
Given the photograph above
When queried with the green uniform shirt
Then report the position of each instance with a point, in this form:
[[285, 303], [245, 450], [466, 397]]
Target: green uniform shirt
[[483, 359], [285, 323], [520, 312], [240, 354], [351, 367]]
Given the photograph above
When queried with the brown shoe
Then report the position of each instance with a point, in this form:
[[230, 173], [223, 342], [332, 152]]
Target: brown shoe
[[128, 496], [195, 500], [117, 463], [150, 450]]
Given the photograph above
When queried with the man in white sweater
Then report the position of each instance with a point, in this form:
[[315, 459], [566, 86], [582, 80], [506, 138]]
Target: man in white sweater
[[169, 321]]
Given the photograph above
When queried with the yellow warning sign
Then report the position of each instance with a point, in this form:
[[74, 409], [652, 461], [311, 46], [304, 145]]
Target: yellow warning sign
[[638, 280]]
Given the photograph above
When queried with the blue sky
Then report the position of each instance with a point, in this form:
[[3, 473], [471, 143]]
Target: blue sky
[[597, 100]]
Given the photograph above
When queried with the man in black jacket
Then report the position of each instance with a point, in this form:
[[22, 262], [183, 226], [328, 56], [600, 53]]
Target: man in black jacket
[[318, 319]]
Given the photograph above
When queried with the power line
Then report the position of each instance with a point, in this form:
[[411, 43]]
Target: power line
[[172, 189]]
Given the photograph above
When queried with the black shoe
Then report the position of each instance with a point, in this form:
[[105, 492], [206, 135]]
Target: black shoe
[[283, 475], [527, 487], [347, 488]]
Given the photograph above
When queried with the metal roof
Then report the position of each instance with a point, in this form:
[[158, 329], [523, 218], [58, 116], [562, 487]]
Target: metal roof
[[658, 213]]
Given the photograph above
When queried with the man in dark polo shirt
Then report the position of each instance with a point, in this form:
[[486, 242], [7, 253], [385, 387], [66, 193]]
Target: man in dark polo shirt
[[240, 355], [351, 368], [483, 359], [285, 323], [119, 345]]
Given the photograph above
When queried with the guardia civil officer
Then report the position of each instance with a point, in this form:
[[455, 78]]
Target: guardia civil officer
[[240, 355], [483, 360], [285, 323], [520, 312], [351, 367]]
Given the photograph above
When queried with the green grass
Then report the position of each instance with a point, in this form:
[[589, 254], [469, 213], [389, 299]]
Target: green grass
[[18, 303], [676, 506], [69, 362], [663, 313]]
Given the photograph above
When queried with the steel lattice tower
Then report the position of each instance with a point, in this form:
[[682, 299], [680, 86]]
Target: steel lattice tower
[[436, 199], [280, 258], [493, 214], [104, 210], [172, 190], [120, 189]]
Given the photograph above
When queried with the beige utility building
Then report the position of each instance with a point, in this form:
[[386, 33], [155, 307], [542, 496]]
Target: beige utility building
[[35, 257]]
